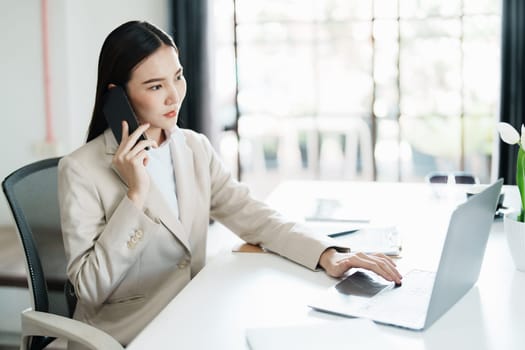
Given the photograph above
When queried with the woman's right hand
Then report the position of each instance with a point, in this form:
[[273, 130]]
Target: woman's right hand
[[337, 264], [131, 160]]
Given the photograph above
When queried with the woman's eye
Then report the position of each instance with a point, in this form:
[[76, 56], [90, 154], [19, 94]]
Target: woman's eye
[[179, 77], [155, 87]]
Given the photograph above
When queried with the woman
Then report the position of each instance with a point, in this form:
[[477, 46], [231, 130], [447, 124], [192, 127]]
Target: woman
[[135, 221]]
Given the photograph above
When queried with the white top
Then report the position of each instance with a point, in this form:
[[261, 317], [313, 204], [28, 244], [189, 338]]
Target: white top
[[160, 168]]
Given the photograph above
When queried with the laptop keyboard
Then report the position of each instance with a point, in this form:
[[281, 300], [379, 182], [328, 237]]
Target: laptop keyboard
[[406, 304]]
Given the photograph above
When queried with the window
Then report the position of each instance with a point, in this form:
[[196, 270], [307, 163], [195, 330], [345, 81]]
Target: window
[[358, 89]]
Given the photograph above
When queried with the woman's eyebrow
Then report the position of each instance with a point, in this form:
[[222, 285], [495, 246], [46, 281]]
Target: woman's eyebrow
[[153, 80]]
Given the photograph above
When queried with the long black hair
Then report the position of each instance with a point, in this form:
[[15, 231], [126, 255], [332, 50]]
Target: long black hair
[[123, 49]]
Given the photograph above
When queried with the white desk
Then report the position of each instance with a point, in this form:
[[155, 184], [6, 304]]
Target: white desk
[[236, 291]]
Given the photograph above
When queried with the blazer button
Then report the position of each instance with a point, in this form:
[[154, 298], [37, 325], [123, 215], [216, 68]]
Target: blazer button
[[139, 234], [131, 245], [183, 263]]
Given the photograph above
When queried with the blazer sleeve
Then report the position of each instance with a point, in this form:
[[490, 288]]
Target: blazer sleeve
[[257, 223], [100, 248]]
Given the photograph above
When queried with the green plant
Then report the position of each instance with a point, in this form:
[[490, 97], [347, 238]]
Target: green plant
[[511, 136]]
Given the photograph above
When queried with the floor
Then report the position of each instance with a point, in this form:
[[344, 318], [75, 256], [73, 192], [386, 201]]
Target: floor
[[13, 299], [9, 341], [11, 262]]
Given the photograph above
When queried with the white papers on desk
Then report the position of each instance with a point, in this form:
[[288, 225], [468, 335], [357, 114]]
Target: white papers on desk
[[363, 237], [386, 240], [343, 334]]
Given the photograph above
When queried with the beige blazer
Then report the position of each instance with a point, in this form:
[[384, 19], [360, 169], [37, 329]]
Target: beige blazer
[[126, 264]]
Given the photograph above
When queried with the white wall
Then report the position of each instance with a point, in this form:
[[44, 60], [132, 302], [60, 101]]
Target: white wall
[[76, 32]]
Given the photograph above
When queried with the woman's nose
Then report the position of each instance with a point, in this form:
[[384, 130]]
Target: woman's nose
[[173, 96]]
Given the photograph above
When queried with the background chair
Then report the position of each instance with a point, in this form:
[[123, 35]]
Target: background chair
[[456, 177], [31, 193]]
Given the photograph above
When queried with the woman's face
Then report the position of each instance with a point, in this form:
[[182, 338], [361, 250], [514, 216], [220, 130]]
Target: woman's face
[[156, 90]]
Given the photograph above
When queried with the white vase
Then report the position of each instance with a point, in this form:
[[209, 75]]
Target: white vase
[[515, 232]]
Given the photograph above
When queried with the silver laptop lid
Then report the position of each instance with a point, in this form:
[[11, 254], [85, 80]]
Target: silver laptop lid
[[463, 250]]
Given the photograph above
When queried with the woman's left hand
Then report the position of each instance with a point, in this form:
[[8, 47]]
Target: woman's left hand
[[336, 264]]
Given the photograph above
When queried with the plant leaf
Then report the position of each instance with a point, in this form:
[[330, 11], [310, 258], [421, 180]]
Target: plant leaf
[[522, 141], [520, 180], [508, 134]]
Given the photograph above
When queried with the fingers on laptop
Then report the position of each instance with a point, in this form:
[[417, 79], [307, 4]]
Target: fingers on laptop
[[378, 263]]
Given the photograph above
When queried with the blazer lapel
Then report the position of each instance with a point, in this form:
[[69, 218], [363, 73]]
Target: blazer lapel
[[155, 202], [158, 207], [182, 158]]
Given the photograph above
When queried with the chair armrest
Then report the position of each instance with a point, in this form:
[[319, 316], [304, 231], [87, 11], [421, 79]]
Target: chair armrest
[[45, 324]]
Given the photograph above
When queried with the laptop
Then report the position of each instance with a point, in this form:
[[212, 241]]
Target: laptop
[[424, 295]]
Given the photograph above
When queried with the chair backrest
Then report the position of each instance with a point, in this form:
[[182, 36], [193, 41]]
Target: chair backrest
[[455, 177], [31, 193]]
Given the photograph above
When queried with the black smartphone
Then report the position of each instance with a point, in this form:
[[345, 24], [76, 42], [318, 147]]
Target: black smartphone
[[116, 109]]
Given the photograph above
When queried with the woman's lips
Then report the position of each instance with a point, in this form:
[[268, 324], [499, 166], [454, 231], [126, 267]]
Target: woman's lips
[[170, 114]]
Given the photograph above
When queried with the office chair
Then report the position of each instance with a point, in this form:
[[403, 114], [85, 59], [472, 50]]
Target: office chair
[[31, 193], [455, 177]]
